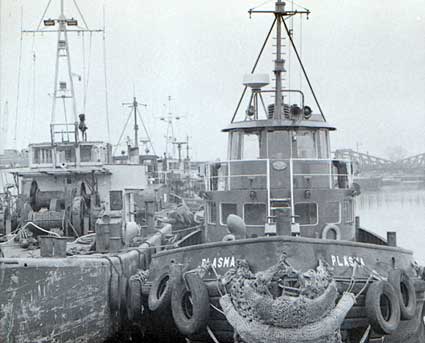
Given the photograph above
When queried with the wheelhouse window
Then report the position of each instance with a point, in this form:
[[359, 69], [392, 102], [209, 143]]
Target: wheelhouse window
[[255, 213], [235, 146], [212, 212], [227, 209], [304, 143], [306, 213], [323, 144], [310, 144], [278, 144], [251, 146], [348, 211], [115, 200]]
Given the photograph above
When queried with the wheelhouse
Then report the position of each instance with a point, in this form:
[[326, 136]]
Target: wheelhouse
[[281, 165]]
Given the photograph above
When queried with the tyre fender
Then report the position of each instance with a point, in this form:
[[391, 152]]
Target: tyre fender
[[190, 304], [329, 227], [159, 298], [406, 292], [383, 323], [134, 299]]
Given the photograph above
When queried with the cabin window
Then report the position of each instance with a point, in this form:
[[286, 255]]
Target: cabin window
[[42, 155], [278, 144], [227, 209], [212, 212], [85, 153], [305, 144], [323, 144], [251, 146], [115, 200], [255, 214], [235, 146], [333, 212], [348, 211], [306, 213]]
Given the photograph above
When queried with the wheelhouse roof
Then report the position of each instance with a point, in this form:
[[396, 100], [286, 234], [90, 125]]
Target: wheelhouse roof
[[283, 124]]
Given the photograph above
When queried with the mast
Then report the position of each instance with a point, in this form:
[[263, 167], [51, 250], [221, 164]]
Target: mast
[[136, 127], [60, 88], [279, 62], [280, 13]]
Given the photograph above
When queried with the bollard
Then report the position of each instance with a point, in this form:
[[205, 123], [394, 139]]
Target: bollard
[[283, 221]]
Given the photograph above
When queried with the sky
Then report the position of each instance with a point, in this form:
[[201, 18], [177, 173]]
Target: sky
[[366, 61]]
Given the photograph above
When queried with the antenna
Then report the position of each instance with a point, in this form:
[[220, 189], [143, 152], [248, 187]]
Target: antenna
[[170, 119]]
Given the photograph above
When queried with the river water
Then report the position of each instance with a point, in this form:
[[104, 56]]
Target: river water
[[396, 208]]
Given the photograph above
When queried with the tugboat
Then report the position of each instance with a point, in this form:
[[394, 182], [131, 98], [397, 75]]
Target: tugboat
[[76, 250], [282, 256]]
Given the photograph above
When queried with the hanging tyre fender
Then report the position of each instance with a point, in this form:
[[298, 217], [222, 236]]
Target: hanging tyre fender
[[190, 304], [384, 318], [329, 227], [406, 292], [159, 298], [134, 302], [114, 291]]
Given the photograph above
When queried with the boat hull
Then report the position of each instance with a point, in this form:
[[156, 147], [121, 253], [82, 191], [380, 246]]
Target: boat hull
[[303, 254]]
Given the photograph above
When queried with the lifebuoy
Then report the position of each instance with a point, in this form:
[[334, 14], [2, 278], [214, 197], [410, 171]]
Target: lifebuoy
[[190, 304], [406, 292], [383, 307], [328, 228], [160, 293]]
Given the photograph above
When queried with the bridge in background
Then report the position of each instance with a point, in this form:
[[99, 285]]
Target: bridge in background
[[373, 165]]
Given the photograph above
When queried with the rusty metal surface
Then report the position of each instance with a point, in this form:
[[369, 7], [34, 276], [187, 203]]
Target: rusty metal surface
[[66, 300], [54, 300]]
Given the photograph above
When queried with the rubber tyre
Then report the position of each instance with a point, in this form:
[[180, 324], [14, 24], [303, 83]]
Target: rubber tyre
[[380, 324], [402, 284], [134, 301], [190, 307], [160, 293]]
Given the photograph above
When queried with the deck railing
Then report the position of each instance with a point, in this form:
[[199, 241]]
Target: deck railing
[[286, 174]]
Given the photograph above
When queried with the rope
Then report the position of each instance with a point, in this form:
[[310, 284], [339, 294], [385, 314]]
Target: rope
[[253, 68], [19, 80], [211, 334], [217, 309], [303, 69], [105, 76], [87, 76]]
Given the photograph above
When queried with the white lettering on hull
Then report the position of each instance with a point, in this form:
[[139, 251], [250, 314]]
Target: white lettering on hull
[[220, 262], [346, 261]]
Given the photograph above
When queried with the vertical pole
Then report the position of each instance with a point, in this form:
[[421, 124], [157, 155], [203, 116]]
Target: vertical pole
[[291, 178], [268, 189], [279, 62], [136, 127]]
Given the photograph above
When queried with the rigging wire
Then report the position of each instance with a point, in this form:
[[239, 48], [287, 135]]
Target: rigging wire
[[44, 13], [87, 73], [19, 80], [304, 71], [81, 14], [146, 131], [253, 68], [83, 43], [123, 131], [301, 49], [106, 79]]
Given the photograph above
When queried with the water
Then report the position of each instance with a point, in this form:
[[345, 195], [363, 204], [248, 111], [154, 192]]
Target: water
[[396, 208]]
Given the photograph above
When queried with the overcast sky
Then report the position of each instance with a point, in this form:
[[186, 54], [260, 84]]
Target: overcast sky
[[366, 60]]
